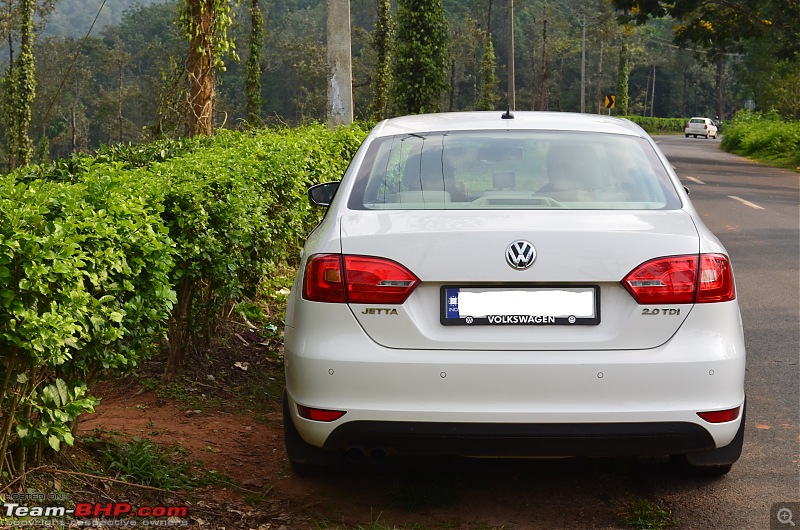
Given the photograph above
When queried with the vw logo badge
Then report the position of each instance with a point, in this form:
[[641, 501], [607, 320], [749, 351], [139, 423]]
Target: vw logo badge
[[520, 255]]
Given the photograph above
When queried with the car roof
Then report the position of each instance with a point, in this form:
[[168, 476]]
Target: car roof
[[492, 120]]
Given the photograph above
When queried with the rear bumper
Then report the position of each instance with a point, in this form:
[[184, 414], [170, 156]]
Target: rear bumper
[[553, 440], [538, 403]]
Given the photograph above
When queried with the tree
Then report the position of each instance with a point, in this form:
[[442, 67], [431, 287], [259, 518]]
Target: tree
[[720, 24], [205, 24], [20, 90], [623, 74], [421, 57], [488, 80], [253, 65], [381, 43]]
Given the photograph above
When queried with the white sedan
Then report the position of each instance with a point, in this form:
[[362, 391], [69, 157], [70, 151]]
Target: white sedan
[[526, 284], [701, 127]]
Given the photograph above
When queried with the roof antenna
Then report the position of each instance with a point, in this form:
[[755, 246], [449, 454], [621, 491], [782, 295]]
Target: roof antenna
[[507, 114]]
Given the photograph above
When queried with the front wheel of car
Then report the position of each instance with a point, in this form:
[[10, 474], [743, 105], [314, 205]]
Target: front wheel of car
[[713, 463], [305, 459]]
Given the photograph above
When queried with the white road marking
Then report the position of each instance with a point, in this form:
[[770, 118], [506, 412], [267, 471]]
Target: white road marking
[[746, 203], [695, 180]]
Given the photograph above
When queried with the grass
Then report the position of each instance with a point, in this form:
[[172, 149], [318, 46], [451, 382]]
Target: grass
[[418, 496], [143, 462], [645, 514]]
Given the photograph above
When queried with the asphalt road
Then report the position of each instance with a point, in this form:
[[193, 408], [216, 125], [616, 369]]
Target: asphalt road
[[754, 211]]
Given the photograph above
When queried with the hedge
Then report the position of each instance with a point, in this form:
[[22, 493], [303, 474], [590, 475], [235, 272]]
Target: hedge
[[101, 256]]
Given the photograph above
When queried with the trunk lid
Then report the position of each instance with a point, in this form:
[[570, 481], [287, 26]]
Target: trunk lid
[[468, 249]]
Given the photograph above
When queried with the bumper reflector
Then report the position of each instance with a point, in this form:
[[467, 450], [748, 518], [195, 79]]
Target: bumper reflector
[[319, 414], [720, 416]]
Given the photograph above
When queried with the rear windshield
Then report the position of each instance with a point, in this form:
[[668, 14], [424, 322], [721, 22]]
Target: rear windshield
[[512, 170]]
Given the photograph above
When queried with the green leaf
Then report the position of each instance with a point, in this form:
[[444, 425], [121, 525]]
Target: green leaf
[[22, 431], [54, 442]]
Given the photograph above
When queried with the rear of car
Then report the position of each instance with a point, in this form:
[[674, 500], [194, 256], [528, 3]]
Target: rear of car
[[704, 127], [536, 286]]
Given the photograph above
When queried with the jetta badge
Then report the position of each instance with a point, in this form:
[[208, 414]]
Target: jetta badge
[[520, 255]]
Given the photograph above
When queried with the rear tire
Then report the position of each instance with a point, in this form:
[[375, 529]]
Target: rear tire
[[305, 459], [713, 463]]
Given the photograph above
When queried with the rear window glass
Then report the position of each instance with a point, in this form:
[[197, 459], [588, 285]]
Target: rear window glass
[[512, 170]]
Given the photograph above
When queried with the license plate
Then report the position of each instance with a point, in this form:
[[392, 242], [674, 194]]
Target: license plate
[[520, 306]]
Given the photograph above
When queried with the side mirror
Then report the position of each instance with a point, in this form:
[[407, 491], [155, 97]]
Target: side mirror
[[322, 194]]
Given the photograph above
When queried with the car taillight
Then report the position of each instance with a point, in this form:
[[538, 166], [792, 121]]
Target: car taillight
[[674, 280], [357, 279], [705, 126]]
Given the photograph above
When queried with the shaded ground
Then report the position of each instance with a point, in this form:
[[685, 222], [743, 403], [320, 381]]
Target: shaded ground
[[221, 420], [225, 414]]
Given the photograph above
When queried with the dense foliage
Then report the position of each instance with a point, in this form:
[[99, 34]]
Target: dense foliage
[[103, 256], [764, 137], [128, 79], [420, 57]]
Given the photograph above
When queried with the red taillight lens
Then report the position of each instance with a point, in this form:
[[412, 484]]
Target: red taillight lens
[[720, 416], [716, 279], [663, 281], [377, 281], [323, 280], [319, 414], [365, 280], [674, 280]]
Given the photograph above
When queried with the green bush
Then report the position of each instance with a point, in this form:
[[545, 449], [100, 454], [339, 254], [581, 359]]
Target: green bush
[[99, 255], [83, 266], [659, 125], [764, 137]]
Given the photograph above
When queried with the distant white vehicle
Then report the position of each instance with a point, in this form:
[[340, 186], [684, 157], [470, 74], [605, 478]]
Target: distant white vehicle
[[701, 127], [536, 284]]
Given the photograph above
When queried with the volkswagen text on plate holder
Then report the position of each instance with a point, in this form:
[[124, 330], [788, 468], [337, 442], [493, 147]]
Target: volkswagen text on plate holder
[[492, 305]]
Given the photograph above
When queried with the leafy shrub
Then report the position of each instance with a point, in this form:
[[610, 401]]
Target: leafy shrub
[[83, 266], [99, 255], [659, 125], [764, 137]]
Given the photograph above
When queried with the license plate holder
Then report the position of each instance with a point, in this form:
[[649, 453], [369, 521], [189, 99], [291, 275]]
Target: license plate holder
[[526, 305]]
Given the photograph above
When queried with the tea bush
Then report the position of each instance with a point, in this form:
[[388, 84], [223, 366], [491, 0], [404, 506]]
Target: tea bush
[[100, 254]]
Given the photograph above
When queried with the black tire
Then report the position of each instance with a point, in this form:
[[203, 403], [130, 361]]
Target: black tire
[[713, 463], [305, 459], [687, 136]]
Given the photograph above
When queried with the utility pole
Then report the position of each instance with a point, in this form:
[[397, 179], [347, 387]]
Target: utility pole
[[340, 71], [512, 96]]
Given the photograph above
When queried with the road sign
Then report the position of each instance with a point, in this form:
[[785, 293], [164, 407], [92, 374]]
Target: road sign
[[611, 101]]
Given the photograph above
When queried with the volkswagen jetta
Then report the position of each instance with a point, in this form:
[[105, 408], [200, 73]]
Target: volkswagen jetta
[[526, 284]]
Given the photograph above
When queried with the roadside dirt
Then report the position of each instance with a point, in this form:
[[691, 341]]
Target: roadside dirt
[[224, 412]]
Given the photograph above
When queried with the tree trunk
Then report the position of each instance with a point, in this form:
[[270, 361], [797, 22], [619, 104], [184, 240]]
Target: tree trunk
[[533, 65], [653, 93], [543, 89], [598, 95], [721, 87], [201, 68]]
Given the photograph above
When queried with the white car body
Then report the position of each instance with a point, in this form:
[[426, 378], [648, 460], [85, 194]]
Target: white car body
[[632, 383], [701, 127]]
